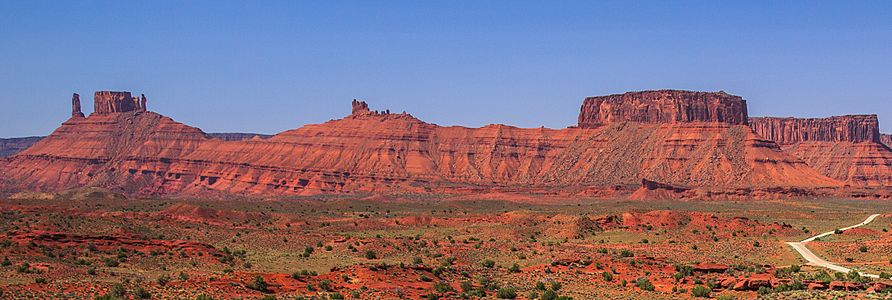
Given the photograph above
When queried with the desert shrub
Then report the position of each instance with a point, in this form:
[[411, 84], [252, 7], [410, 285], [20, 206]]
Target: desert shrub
[[823, 276], [142, 293], [556, 286], [626, 253], [6, 262], [607, 276], [325, 285], [549, 295], [335, 296], [884, 275], [203, 297], [442, 287], [163, 280], [466, 286], [259, 284], [700, 291], [40, 280], [506, 293], [487, 283], [489, 263], [111, 262], [514, 268], [644, 284], [764, 290], [117, 290], [370, 254], [183, 276], [685, 270], [23, 268], [328, 248], [862, 249]]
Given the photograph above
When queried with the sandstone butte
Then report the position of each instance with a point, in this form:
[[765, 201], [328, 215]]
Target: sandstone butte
[[641, 145], [846, 148]]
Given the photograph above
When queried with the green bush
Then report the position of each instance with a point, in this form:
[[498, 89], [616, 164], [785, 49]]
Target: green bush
[[644, 284], [258, 284], [489, 263], [142, 293], [700, 291], [118, 290], [607, 276], [506, 293], [514, 268]]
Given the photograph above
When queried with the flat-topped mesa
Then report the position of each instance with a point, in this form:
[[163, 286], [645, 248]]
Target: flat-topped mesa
[[663, 106], [788, 131], [105, 102], [76, 106]]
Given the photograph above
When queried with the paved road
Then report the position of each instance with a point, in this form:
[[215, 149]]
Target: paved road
[[814, 260]]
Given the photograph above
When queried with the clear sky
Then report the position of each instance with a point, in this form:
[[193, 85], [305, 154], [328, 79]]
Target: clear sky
[[268, 66]]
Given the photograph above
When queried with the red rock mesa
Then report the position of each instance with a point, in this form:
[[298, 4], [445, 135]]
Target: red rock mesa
[[692, 144], [846, 148], [664, 106]]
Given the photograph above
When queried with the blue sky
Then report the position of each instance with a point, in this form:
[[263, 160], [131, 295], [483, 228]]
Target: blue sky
[[269, 66]]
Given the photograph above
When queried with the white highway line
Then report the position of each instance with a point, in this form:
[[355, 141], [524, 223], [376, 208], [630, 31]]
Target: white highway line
[[814, 260]]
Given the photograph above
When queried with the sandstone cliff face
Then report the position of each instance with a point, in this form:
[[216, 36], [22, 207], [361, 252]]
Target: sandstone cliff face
[[106, 102], [886, 139], [788, 131], [661, 107], [846, 148], [368, 151]]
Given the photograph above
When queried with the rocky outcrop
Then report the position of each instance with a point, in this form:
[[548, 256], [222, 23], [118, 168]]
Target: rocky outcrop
[[359, 107], [662, 107], [846, 148], [76, 106], [106, 102], [788, 131], [371, 151], [886, 139], [9, 147]]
